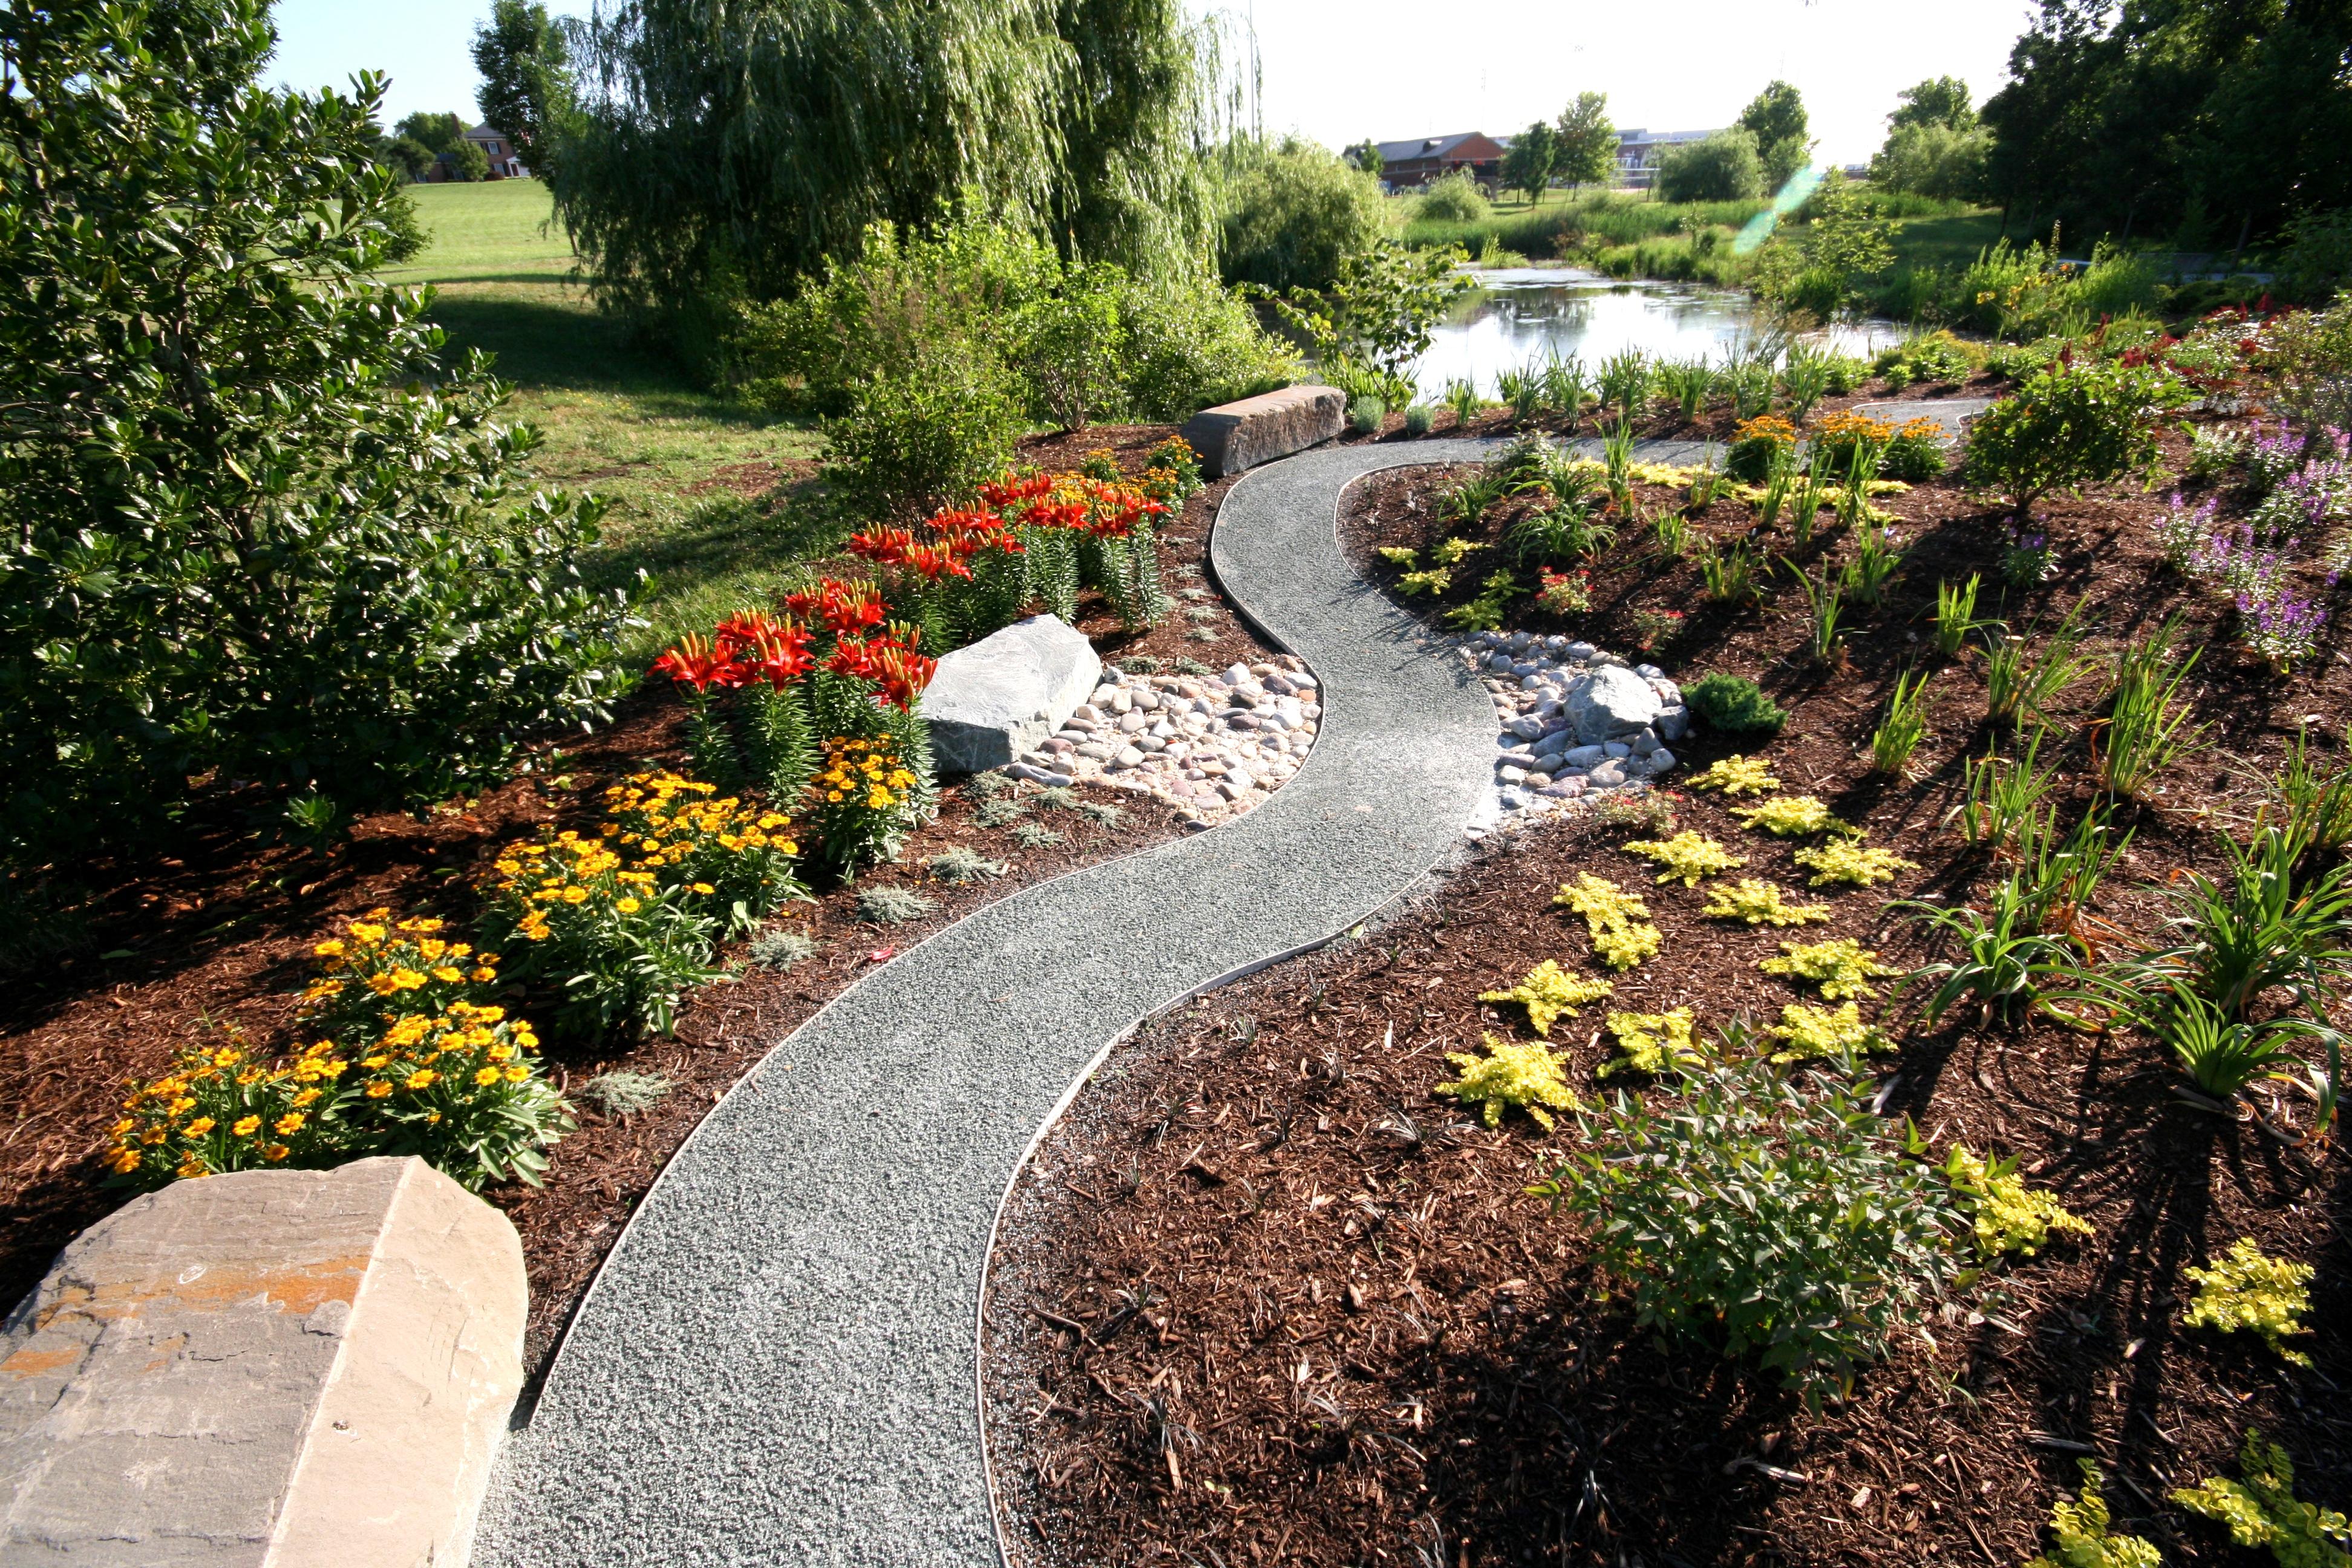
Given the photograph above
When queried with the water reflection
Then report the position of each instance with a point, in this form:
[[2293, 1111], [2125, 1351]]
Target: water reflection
[[1523, 314]]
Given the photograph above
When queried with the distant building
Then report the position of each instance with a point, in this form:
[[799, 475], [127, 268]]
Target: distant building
[[1638, 153], [496, 145], [1405, 164]]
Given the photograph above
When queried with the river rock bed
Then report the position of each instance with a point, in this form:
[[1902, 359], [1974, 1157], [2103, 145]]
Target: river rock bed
[[1214, 745], [1575, 722]]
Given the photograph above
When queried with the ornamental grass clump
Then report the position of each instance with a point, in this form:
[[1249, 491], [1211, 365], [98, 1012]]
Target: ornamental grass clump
[[1754, 902], [884, 903], [1549, 992], [1654, 1043], [1844, 969], [1687, 856], [2081, 1536], [1511, 1073], [1855, 864], [2245, 1291], [1794, 816], [1764, 1216], [1807, 1033], [2262, 1509], [1619, 921], [2009, 1216], [1736, 776]]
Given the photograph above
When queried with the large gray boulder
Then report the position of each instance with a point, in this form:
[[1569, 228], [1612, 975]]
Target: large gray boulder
[[1232, 437], [268, 1368], [998, 698], [1609, 703]]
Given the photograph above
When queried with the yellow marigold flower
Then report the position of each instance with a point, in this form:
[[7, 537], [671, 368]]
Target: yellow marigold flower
[[309, 1097], [627, 906], [705, 888], [500, 1053], [371, 1063], [152, 1135], [382, 984], [248, 1077], [370, 935], [228, 1055], [199, 1127], [181, 1106], [123, 1161], [484, 975], [378, 1090], [576, 895], [510, 867], [517, 1073], [423, 1077], [275, 1151], [329, 949], [487, 1077], [246, 1126], [289, 1123]]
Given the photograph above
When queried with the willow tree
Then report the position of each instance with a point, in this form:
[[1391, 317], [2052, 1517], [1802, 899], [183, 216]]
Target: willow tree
[[725, 148]]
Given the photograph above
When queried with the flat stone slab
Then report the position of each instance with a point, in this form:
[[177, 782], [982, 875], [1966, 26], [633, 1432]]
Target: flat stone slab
[[268, 1368], [997, 698], [1235, 437], [1952, 413]]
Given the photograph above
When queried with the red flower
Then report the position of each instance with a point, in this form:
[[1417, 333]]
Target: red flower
[[780, 657], [844, 607], [741, 630], [886, 546], [699, 664], [1010, 491], [933, 561]]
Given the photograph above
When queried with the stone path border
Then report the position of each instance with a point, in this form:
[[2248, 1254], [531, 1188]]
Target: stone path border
[[777, 1364]]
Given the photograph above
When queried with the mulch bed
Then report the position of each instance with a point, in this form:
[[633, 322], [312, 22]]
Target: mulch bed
[[155, 953], [1262, 1297]]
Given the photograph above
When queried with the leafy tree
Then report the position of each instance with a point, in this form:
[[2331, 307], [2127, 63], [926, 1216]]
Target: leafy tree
[[437, 133], [1776, 119], [1587, 141], [733, 147], [409, 155], [1723, 168], [1527, 165], [1366, 155], [1293, 213], [1847, 238], [525, 59], [467, 162], [1939, 100], [1371, 326], [255, 529], [1933, 160]]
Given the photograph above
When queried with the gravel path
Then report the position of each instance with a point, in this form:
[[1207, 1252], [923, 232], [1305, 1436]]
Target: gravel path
[[777, 1364]]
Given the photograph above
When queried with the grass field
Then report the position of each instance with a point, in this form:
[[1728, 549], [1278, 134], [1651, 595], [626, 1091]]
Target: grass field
[[619, 418]]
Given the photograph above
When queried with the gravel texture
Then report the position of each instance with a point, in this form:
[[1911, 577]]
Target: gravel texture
[[777, 1364]]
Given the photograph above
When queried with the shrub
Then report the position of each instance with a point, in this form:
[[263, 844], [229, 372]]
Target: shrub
[[1452, 198], [1846, 861], [1914, 452], [1293, 214], [1724, 167], [961, 863], [2262, 1509], [300, 554], [1619, 921], [1369, 325], [1734, 704], [1654, 1043], [2083, 1538], [1754, 902], [1687, 856], [2070, 425], [1807, 1033], [1549, 992], [2247, 1291], [1190, 345], [1034, 836], [381, 970], [1756, 443], [1564, 593], [1365, 414], [2009, 1216], [1485, 612], [1766, 1218], [1735, 774], [1844, 969], [928, 437], [859, 800], [1793, 817], [1511, 1073], [1418, 419]]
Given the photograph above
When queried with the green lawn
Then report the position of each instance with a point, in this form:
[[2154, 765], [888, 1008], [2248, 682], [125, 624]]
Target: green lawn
[[619, 419]]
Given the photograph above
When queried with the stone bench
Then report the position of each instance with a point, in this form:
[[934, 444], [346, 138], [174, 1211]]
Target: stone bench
[[1234, 437], [268, 1368]]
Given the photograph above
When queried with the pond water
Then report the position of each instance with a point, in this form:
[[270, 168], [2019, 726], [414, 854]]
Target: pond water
[[1522, 315]]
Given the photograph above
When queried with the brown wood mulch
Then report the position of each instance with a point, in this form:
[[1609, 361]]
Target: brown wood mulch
[[218, 934], [1262, 1297]]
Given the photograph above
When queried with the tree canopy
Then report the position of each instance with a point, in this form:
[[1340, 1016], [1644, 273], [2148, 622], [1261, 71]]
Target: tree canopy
[[1939, 100], [731, 146], [437, 133], [1586, 143], [2211, 118], [1527, 163], [526, 66], [1776, 118]]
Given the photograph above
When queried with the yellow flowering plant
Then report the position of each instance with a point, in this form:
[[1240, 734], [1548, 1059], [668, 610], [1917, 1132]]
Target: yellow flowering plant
[[862, 799], [220, 1108], [724, 856], [461, 1089], [381, 968], [1549, 992]]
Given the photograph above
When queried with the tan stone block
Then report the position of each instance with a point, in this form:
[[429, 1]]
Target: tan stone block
[[1235, 437], [279, 1369]]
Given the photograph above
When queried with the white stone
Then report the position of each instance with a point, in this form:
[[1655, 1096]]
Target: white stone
[[996, 699], [1608, 776], [1660, 760], [1609, 702]]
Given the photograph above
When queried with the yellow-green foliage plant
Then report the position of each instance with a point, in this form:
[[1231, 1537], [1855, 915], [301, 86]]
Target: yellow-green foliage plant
[[1549, 992], [1807, 1033], [1430, 583], [1399, 555], [2247, 1291], [2262, 1509], [2008, 1215], [1619, 920], [1654, 1043], [1512, 1072], [1736, 776], [1450, 553], [1795, 816], [1686, 857], [1843, 969], [1754, 902], [1861, 866], [2083, 1538]]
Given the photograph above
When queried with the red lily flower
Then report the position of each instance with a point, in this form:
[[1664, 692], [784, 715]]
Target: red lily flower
[[696, 662]]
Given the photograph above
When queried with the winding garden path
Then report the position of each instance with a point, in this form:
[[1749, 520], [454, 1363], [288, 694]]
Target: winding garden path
[[778, 1364]]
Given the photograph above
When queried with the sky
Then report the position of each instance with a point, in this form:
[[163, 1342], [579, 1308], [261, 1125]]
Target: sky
[[1340, 70]]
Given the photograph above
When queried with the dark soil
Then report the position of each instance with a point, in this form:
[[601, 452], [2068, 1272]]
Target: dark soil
[[1262, 1297], [151, 955]]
